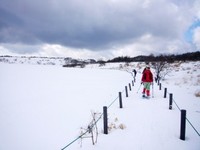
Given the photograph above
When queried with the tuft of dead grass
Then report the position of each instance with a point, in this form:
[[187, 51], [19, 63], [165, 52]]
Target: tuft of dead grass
[[197, 93]]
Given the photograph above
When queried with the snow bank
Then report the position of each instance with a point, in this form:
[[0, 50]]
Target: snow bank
[[44, 107]]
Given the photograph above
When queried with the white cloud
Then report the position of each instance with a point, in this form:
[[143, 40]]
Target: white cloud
[[106, 28], [4, 51], [196, 37], [55, 50]]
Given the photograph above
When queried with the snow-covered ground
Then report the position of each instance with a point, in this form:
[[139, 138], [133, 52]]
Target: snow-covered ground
[[45, 107]]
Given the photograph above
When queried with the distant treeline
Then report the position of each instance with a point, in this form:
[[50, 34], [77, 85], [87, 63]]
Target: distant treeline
[[194, 56]]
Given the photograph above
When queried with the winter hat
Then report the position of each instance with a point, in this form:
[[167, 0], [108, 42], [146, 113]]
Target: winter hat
[[147, 67]]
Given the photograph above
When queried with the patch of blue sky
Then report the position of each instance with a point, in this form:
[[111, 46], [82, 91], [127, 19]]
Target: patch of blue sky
[[190, 31]]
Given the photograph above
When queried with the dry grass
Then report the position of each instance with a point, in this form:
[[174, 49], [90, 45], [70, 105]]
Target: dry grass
[[116, 125], [122, 126], [197, 94], [177, 64]]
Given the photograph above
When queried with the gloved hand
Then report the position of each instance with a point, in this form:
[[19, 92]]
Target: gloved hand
[[141, 82]]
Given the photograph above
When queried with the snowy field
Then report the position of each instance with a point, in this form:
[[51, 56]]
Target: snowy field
[[45, 107]]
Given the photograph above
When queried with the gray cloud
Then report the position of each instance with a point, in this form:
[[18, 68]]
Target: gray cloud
[[94, 25]]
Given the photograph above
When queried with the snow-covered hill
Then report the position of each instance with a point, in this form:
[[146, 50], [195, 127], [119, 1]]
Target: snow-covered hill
[[48, 107], [41, 60]]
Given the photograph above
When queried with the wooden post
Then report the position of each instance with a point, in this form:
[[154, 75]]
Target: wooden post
[[170, 100], [158, 82], [105, 120], [126, 91], [129, 86], [183, 124], [156, 79], [120, 100], [160, 86], [165, 93], [132, 83]]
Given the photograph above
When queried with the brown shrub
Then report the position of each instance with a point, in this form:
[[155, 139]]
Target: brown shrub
[[197, 93]]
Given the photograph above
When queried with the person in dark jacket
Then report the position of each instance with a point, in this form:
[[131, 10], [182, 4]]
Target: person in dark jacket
[[135, 72], [147, 80]]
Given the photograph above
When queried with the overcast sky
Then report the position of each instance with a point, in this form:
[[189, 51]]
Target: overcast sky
[[99, 28]]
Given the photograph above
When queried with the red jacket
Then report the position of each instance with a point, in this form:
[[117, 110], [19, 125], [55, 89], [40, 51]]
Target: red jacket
[[147, 76]]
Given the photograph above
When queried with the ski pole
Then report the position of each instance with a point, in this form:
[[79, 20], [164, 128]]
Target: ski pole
[[139, 87], [152, 90]]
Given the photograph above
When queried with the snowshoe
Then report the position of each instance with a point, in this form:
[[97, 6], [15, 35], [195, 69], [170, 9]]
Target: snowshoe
[[147, 97]]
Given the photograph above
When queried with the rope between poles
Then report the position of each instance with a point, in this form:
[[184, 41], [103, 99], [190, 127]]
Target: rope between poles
[[91, 125], [186, 117]]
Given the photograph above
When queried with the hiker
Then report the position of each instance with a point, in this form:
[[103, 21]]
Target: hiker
[[135, 72], [134, 77], [147, 80], [144, 70]]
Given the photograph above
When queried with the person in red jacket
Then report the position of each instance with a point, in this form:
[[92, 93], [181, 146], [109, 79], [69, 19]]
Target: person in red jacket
[[147, 80]]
